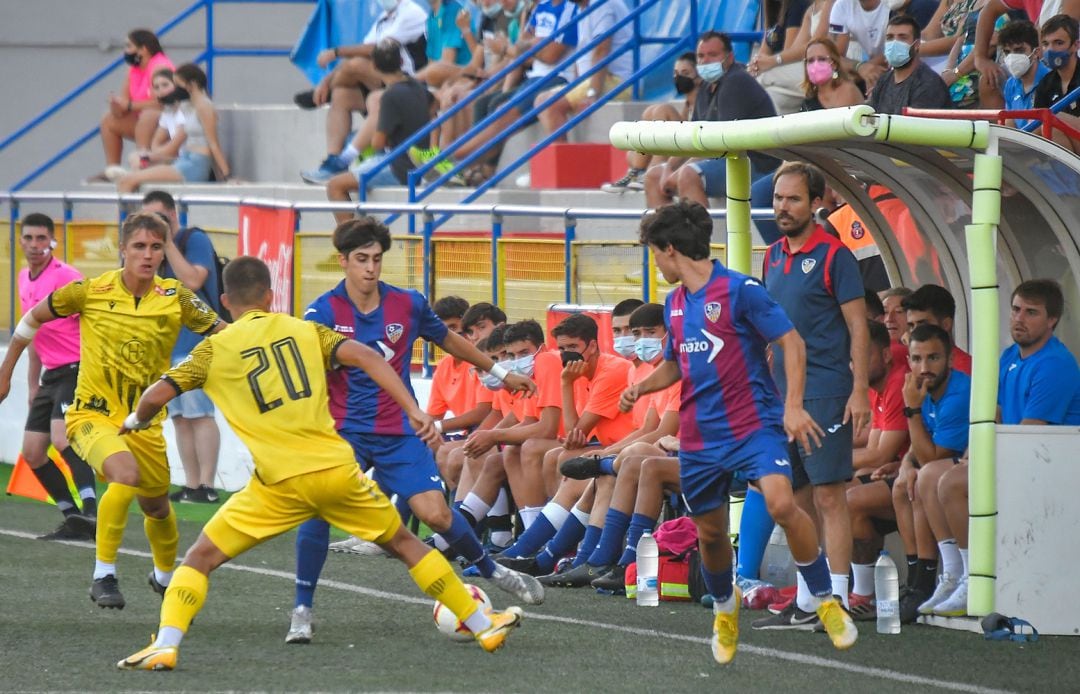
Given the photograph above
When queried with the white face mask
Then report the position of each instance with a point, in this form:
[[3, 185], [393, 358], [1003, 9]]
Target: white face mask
[[649, 348], [1017, 64], [624, 346]]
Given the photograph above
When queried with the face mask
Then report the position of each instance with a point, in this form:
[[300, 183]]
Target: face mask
[[132, 58], [897, 53], [175, 96], [820, 71], [568, 357], [388, 5], [624, 346], [895, 4], [648, 348], [710, 72], [524, 365], [492, 10], [490, 381], [1055, 59], [684, 84], [1017, 64]]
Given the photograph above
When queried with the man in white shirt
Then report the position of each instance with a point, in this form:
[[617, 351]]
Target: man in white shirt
[[861, 21]]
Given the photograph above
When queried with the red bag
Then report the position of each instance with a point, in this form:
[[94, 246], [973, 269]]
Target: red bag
[[677, 541]]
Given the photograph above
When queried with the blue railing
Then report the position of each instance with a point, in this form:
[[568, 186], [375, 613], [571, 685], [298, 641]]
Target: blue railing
[[1060, 106], [207, 56]]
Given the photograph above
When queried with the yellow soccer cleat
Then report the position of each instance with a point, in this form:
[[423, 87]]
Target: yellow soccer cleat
[[493, 638], [151, 658], [725, 632], [838, 623]]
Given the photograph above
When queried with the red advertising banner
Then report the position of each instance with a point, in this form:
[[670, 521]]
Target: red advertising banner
[[267, 234]]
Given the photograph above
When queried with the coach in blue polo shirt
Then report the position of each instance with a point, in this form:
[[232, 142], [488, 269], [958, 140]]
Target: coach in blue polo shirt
[[816, 280]]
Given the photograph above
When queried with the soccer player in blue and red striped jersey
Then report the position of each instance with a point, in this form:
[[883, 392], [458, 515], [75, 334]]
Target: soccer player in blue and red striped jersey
[[732, 419], [389, 320]]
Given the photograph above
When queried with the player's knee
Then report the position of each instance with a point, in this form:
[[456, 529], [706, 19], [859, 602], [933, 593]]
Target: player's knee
[[953, 484], [711, 536], [830, 499], [689, 179], [782, 509], [438, 518]]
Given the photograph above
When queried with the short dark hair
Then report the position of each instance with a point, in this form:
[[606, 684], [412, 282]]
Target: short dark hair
[[37, 219], [906, 20], [647, 316], [482, 311], [192, 74], [167, 200], [879, 335], [497, 337], [144, 38], [386, 56], [625, 307], [927, 332], [143, 220], [812, 176], [718, 35], [1061, 21], [528, 330], [1046, 291], [450, 307], [684, 226], [933, 298], [875, 308], [246, 280], [577, 325], [688, 56], [360, 232], [1017, 32]]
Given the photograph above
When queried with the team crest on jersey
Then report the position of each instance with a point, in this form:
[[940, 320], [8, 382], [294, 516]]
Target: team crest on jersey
[[712, 311], [171, 291], [394, 331], [808, 265], [857, 230]]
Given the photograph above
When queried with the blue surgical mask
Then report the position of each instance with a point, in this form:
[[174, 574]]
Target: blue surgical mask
[[624, 346], [710, 72], [1056, 59], [897, 53], [524, 365], [492, 10], [649, 348]]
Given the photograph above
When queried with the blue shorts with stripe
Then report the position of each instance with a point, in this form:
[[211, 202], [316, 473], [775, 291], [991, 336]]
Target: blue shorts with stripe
[[404, 465], [706, 475]]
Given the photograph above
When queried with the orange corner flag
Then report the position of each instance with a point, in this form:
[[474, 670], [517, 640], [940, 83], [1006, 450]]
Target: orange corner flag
[[24, 482]]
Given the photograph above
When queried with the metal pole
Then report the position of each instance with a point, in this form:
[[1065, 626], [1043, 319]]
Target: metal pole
[[429, 230], [496, 269], [69, 216], [568, 257], [209, 4], [182, 214], [13, 287], [646, 275]]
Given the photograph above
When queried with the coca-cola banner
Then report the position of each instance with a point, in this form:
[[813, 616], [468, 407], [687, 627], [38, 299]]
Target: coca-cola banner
[[267, 234]]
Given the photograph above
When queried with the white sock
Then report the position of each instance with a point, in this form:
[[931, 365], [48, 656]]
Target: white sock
[[501, 507], [502, 538], [555, 514], [475, 506], [162, 577], [864, 579], [477, 621], [529, 514], [87, 493], [950, 557], [840, 587], [101, 569], [168, 636], [964, 560], [725, 607], [582, 516], [803, 597], [349, 154]]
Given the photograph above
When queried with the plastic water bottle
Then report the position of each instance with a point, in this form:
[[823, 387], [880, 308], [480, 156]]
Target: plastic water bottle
[[648, 564], [887, 594]]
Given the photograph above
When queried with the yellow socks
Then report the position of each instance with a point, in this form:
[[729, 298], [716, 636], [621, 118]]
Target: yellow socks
[[183, 599], [435, 577], [112, 516], [164, 537]]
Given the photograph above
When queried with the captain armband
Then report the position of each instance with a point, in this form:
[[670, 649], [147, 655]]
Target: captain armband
[[27, 327]]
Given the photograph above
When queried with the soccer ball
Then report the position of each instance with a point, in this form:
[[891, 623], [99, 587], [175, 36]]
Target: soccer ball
[[448, 623]]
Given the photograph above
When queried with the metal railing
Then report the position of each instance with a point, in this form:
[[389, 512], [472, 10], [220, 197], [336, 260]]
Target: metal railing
[[207, 56]]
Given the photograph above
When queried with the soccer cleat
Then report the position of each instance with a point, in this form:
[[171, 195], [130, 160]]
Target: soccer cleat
[[181, 494], [838, 623], [151, 658], [356, 545], [956, 604], [613, 582], [791, 618], [65, 531], [83, 525], [909, 605], [946, 584], [577, 577], [526, 565], [725, 632], [330, 167], [209, 494], [584, 467], [300, 627], [524, 587], [862, 608], [631, 181], [106, 593], [157, 587], [494, 637]]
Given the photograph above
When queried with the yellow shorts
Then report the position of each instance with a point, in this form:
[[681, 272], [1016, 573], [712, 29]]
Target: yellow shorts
[[576, 95], [340, 495], [95, 438]]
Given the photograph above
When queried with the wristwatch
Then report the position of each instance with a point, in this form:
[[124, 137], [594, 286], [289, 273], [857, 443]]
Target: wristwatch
[[910, 412], [591, 94]]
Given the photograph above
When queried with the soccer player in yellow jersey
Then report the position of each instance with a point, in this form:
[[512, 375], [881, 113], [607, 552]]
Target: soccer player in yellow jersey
[[267, 374], [129, 319]]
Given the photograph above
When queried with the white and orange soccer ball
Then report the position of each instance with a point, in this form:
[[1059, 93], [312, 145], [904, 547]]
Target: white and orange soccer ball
[[448, 623]]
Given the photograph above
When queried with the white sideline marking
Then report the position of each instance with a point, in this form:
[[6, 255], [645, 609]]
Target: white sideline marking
[[799, 658]]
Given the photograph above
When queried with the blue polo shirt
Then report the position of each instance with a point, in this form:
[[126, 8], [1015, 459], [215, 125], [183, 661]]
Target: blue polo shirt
[[947, 419], [443, 33], [1044, 385], [811, 285], [1016, 99]]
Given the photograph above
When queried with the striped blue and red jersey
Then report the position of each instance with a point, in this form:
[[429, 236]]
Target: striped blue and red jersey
[[357, 404], [718, 336]]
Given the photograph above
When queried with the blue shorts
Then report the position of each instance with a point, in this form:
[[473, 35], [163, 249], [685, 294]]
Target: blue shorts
[[385, 177], [706, 475], [193, 166], [833, 461], [403, 465]]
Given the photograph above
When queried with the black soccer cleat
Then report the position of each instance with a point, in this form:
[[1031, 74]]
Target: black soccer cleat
[[157, 587], [525, 565], [613, 582], [584, 467], [578, 577], [84, 526], [106, 593]]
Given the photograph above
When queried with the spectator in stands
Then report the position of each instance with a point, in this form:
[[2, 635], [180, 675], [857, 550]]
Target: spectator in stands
[[164, 145], [864, 22], [133, 113], [776, 65], [909, 81], [687, 82], [825, 83], [1038, 12], [1060, 36], [447, 52], [200, 153], [348, 86], [597, 23], [939, 36], [729, 93], [398, 111], [1018, 43]]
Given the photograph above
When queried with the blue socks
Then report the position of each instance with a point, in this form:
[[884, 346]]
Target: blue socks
[[530, 541], [461, 537], [588, 544], [560, 545], [607, 465], [754, 532], [611, 539], [638, 525], [816, 575], [312, 541], [720, 585]]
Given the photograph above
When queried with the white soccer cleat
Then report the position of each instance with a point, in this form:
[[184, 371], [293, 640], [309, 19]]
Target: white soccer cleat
[[300, 628], [524, 587], [945, 586], [355, 545], [956, 604]]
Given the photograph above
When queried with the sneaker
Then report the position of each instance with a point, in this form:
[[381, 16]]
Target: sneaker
[[300, 627], [81, 524], [725, 632], [946, 584], [956, 604], [330, 167], [157, 587], [106, 593], [909, 605], [181, 495], [494, 637], [838, 623], [114, 172], [71, 531], [862, 608], [790, 618], [196, 496], [151, 658], [577, 577], [624, 184], [209, 493], [355, 545], [613, 582], [583, 467], [305, 100], [524, 587], [419, 157]]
